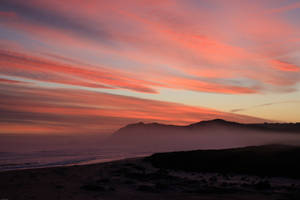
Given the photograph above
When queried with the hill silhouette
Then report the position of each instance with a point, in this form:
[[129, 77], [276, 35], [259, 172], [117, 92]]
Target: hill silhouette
[[156, 128], [211, 134]]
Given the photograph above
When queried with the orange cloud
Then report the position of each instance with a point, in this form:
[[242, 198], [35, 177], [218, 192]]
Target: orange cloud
[[8, 81], [227, 47], [160, 37], [44, 70], [198, 85], [75, 111], [284, 66], [208, 56]]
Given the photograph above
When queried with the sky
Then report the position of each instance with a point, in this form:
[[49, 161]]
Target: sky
[[94, 66]]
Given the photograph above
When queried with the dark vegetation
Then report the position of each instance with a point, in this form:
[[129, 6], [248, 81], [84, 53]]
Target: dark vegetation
[[268, 160]]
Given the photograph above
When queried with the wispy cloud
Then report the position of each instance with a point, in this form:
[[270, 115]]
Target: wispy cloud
[[30, 12], [147, 35], [24, 66], [141, 48], [263, 105], [286, 8], [26, 109]]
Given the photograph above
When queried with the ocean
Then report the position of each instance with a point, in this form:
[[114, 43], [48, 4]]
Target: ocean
[[36, 151]]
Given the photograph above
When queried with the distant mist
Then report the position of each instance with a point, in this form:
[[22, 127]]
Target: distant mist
[[138, 140], [214, 135]]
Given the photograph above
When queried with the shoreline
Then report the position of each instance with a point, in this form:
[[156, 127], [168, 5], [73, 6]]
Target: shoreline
[[84, 162], [137, 178]]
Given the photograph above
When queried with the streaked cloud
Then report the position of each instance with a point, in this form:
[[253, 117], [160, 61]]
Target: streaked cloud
[[285, 8], [24, 66], [162, 35], [138, 48], [31, 109], [264, 105]]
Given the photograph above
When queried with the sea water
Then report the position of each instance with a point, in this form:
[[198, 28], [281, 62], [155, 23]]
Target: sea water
[[35, 151]]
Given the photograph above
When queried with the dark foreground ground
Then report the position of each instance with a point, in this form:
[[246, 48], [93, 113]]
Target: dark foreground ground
[[267, 172]]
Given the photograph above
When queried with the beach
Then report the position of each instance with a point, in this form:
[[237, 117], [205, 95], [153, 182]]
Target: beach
[[137, 178]]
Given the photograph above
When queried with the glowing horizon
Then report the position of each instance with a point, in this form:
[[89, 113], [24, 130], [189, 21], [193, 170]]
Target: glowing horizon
[[94, 66]]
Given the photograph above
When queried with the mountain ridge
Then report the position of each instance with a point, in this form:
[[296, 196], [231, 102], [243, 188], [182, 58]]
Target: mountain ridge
[[215, 123]]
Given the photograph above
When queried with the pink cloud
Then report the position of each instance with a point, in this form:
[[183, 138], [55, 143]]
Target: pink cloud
[[228, 47], [284, 66], [202, 47], [73, 111], [44, 70], [9, 15], [285, 8]]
